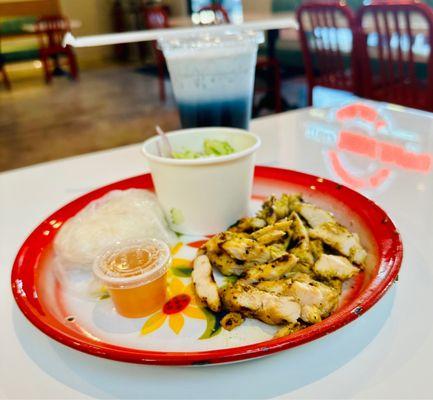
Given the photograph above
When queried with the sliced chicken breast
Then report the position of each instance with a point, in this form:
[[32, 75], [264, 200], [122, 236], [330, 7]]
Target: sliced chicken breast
[[339, 238], [310, 314], [204, 282], [267, 307], [272, 271], [280, 287], [317, 294], [314, 215], [245, 249], [225, 264], [330, 266]]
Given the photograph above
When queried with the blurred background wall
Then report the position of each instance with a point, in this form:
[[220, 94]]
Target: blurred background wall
[[94, 17]]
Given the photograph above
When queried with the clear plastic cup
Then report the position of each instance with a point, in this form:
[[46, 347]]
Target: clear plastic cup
[[213, 77], [134, 273]]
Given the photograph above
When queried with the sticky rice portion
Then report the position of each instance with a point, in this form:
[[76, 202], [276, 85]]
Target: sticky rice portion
[[117, 216]]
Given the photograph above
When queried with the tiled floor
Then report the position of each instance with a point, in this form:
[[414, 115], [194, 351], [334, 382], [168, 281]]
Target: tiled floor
[[106, 108]]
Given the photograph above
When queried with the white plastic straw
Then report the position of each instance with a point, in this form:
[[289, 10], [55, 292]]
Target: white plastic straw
[[166, 146], [155, 34]]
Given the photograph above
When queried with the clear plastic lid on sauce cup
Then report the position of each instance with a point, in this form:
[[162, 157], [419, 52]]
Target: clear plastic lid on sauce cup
[[133, 263]]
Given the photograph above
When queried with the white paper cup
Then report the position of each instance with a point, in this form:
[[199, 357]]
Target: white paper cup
[[206, 195]]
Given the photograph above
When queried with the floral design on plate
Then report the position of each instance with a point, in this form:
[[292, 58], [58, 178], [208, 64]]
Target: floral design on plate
[[182, 303]]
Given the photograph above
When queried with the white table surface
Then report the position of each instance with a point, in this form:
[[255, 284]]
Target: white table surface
[[386, 353]]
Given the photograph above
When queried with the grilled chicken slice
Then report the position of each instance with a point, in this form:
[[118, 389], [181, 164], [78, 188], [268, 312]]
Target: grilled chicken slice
[[299, 276], [316, 299], [280, 287], [252, 252], [204, 283], [274, 208], [272, 271], [289, 329], [300, 237], [278, 250], [310, 314], [314, 215], [272, 236], [299, 231], [316, 248], [335, 284], [219, 258], [249, 224], [339, 238], [330, 298], [329, 266], [283, 225], [272, 233], [232, 253], [267, 307], [225, 264], [314, 293], [212, 245], [306, 293], [246, 249]]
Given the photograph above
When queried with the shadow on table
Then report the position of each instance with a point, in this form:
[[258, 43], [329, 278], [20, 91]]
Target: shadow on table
[[262, 378]]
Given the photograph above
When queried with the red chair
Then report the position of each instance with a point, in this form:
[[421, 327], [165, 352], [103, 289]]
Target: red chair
[[3, 73], [51, 30], [156, 17], [221, 15], [326, 32], [388, 61]]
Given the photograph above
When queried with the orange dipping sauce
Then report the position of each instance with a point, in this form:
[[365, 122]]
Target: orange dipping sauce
[[135, 276], [140, 301]]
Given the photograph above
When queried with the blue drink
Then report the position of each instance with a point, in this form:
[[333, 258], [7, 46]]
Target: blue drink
[[233, 113], [213, 77]]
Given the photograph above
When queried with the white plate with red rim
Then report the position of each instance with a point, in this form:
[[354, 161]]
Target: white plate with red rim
[[182, 332]]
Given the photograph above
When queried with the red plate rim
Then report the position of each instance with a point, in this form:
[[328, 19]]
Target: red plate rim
[[390, 254]]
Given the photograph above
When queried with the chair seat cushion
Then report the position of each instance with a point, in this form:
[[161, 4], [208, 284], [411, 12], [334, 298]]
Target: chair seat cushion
[[22, 49], [20, 55], [13, 26]]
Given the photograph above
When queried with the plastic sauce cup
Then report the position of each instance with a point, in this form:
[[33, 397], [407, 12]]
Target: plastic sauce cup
[[134, 273]]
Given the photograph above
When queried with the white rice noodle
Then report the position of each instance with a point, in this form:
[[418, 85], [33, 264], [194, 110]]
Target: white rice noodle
[[117, 216]]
